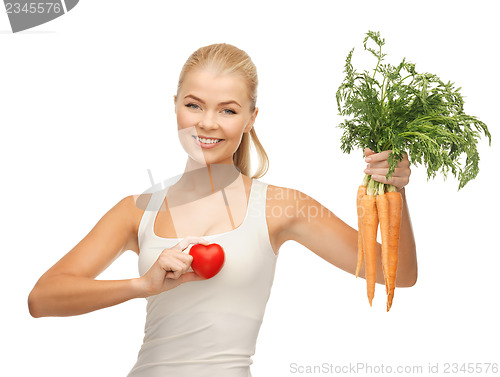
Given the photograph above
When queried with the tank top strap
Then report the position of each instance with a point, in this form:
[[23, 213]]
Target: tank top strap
[[257, 221], [257, 201], [154, 204], [256, 208]]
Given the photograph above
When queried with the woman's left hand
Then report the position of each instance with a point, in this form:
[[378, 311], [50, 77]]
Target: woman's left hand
[[378, 167]]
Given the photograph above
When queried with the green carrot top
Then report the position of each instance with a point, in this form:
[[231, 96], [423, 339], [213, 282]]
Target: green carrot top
[[395, 108]]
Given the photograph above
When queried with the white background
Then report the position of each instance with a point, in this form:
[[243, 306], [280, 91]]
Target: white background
[[86, 108]]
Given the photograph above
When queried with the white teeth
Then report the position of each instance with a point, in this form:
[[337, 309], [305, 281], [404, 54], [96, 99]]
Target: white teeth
[[207, 141]]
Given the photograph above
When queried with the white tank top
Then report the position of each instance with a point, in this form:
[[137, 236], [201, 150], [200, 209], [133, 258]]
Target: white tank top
[[208, 327]]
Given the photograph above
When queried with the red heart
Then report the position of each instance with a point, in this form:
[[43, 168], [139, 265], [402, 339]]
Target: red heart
[[207, 260]]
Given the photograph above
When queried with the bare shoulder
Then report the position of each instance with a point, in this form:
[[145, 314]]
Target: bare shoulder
[[285, 194], [114, 233], [135, 205], [282, 206], [129, 212]]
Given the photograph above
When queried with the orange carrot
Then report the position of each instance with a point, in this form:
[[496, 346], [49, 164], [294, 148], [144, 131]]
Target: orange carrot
[[369, 231], [395, 211], [383, 215], [359, 196]]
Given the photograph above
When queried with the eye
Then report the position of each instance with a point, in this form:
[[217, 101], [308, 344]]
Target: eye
[[195, 106]]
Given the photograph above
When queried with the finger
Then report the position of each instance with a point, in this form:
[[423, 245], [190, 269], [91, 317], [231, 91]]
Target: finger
[[178, 270], [378, 164], [173, 266], [382, 157], [173, 275], [186, 258], [403, 164], [178, 258], [190, 276], [399, 182], [375, 157], [368, 152], [188, 248], [183, 244], [398, 172]]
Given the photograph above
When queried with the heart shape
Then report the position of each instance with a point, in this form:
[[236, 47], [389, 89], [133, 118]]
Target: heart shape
[[207, 259]]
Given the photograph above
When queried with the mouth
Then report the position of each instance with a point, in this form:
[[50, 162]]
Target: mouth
[[207, 142]]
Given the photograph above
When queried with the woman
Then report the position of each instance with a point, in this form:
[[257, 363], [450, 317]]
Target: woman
[[196, 326]]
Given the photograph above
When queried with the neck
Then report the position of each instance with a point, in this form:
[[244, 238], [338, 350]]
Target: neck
[[207, 177]]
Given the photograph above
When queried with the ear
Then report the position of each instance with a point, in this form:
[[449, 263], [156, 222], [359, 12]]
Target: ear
[[175, 105], [250, 123]]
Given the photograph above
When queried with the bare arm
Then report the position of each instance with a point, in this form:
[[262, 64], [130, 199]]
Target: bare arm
[[69, 287], [67, 295], [321, 231]]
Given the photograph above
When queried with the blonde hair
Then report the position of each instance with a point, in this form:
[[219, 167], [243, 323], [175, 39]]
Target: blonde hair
[[224, 58]]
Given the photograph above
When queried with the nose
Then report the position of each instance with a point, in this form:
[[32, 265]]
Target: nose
[[208, 121]]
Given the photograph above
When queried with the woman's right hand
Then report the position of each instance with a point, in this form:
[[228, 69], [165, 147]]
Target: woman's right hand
[[171, 268]]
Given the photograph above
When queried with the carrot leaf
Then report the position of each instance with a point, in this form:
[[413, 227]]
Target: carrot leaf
[[395, 108]]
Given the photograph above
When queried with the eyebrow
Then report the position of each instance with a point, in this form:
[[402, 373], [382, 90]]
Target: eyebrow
[[222, 103]]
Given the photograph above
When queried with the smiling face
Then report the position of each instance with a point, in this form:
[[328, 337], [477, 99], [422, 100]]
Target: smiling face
[[213, 112]]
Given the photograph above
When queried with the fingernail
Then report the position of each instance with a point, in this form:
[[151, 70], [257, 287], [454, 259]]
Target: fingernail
[[368, 159]]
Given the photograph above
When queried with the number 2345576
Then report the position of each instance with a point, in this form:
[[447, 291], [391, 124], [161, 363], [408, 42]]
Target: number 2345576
[[39, 8], [470, 368]]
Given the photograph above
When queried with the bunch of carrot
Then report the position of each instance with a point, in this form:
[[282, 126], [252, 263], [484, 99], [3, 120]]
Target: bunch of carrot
[[375, 206], [396, 108]]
